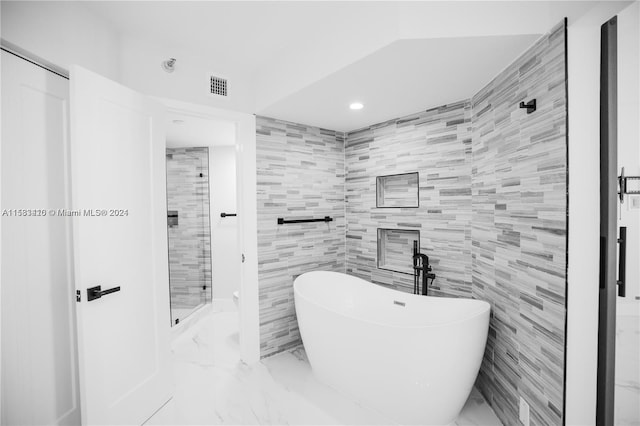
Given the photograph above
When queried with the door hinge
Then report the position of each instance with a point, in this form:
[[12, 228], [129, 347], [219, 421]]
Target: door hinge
[[242, 257], [78, 296]]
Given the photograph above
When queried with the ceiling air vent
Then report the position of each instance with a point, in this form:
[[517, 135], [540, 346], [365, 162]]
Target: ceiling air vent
[[218, 86]]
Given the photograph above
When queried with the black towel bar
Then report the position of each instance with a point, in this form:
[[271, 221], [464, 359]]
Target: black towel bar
[[281, 220]]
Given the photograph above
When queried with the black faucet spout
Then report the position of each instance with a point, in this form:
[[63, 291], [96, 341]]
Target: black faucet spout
[[421, 264], [420, 261]]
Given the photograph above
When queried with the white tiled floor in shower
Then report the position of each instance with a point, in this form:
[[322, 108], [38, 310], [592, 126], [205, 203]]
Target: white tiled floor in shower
[[214, 387]]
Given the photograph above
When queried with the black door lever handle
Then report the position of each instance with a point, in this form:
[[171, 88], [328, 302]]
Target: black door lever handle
[[97, 292], [622, 262]]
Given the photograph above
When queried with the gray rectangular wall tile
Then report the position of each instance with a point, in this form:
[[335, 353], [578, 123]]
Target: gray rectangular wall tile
[[190, 241], [519, 231], [300, 176], [436, 144]]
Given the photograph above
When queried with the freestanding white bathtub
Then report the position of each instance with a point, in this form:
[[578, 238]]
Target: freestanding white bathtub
[[412, 358]]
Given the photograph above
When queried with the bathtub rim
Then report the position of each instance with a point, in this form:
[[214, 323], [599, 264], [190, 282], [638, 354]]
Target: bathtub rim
[[473, 315]]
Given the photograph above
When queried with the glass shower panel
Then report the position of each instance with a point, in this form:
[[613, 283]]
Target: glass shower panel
[[188, 230]]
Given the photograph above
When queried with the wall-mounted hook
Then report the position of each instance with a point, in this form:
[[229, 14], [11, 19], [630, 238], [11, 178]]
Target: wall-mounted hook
[[530, 106]]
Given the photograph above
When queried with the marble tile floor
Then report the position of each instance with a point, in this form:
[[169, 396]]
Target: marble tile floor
[[212, 386]]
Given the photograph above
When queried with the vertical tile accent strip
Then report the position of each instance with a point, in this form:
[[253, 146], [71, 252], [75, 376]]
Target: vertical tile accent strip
[[519, 231], [436, 144], [300, 176]]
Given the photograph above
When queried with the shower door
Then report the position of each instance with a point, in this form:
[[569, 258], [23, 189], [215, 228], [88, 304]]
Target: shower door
[[188, 230]]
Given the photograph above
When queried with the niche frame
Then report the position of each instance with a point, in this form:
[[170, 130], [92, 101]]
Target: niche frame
[[381, 246], [380, 191]]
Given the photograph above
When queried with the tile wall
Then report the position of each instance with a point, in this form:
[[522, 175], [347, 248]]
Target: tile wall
[[190, 240], [300, 176], [519, 231], [436, 144]]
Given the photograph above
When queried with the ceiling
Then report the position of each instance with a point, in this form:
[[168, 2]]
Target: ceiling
[[308, 60], [247, 33], [185, 131], [402, 78]]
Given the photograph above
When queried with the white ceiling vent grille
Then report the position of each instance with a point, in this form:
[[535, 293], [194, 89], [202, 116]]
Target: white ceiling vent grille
[[218, 86]]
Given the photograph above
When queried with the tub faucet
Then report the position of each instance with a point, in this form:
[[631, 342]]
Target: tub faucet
[[421, 263]]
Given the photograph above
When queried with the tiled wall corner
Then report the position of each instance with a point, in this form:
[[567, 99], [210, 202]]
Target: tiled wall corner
[[437, 144], [190, 241], [519, 231], [300, 175]]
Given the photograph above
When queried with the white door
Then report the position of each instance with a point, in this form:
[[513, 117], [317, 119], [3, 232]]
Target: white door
[[39, 368], [120, 240]]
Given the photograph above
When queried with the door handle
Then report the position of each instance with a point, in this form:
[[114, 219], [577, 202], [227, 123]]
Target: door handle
[[622, 262], [603, 262], [97, 292]]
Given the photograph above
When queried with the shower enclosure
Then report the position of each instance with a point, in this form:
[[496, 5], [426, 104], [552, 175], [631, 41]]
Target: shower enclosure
[[188, 230]]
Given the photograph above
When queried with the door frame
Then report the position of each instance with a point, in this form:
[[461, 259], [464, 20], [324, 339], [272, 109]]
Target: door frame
[[608, 286], [245, 143], [583, 60]]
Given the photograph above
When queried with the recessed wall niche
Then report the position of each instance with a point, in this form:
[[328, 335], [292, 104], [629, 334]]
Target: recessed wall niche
[[401, 190], [395, 249]]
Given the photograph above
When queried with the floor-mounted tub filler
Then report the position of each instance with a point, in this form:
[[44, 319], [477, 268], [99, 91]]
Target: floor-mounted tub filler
[[412, 358]]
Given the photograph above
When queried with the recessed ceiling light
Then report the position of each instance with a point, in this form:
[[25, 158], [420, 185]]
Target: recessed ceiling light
[[356, 105]]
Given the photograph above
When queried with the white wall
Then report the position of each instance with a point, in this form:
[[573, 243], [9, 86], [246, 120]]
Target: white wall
[[62, 33], [629, 140], [627, 390], [140, 69], [584, 160], [248, 237], [1, 207], [67, 32], [224, 231]]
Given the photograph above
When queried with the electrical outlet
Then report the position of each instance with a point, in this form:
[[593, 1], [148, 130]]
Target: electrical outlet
[[524, 412], [634, 202]]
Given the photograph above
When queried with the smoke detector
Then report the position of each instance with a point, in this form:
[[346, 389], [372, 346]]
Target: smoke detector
[[218, 85]]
